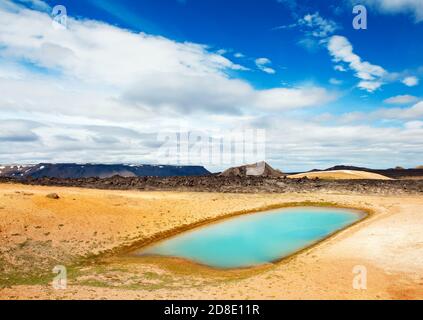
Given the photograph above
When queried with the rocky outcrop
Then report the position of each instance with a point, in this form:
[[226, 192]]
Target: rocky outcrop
[[259, 169]]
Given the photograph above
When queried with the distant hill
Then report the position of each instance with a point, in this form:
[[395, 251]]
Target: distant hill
[[397, 173], [342, 167], [257, 169], [75, 171], [341, 175]]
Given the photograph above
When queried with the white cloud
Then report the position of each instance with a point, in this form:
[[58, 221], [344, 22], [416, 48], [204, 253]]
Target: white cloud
[[93, 75], [414, 125], [410, 81], [371, 75], [268, 70], [13, 131], [401, 99], [339, 68], [335, 82], [263, 65], [307, 144], [222, 52], [319, 26], [316, 30], [414, 7], [313, 25], [370, 86], [398, 114], [283, 98], [263, 61], [127, 70], [414, 112]]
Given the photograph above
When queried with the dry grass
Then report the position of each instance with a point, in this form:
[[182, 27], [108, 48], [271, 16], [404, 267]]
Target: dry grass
[[340, 175]]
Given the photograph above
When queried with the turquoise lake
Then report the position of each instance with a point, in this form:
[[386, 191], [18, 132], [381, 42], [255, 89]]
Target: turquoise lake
[[255, 239]]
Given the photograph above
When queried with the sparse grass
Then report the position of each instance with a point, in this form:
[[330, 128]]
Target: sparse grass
[[15, 278]]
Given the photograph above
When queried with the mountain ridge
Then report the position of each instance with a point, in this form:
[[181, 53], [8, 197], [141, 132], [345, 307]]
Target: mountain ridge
[[74, 170]]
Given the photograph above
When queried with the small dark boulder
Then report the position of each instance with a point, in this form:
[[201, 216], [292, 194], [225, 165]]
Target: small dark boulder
[[53, 196]]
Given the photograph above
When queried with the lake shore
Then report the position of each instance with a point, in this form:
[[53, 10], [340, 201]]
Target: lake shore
[[85, 229]]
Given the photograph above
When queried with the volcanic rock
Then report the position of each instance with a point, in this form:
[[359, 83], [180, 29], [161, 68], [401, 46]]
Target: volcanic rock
[[259, 169]]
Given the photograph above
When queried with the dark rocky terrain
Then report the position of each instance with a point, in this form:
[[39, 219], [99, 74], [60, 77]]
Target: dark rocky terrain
[[74, 171], [249, 184], [256, 178]]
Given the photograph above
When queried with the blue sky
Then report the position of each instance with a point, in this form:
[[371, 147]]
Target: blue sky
[[123, 72]]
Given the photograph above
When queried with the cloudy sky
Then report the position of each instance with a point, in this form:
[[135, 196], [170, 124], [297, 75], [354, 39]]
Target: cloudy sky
[[122, 74]]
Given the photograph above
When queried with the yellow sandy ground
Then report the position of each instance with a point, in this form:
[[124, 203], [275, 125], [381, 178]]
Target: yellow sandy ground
[[340, 175], [38, 233]]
